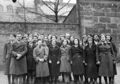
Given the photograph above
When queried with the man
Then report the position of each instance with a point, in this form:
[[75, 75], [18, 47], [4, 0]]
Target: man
[[7, 56], [18, 65]]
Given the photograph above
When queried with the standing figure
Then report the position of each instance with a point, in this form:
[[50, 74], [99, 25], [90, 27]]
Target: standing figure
[[90, 60], [40, 54], [65, 66], [7, 57], [77, 61], [31, 65], [18, 65], [96, 43], [54, 61], [114, 49], [105, 59]]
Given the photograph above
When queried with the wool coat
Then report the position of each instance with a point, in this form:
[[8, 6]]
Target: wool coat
[[54, 57], [31, 64], [65, 65], [106, 58], [7, 56], [41, 52], [77, 60], [18, 66], [90, 59]]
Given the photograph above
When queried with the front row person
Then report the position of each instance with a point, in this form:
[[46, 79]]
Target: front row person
[[54, 61], [18, 64], [7, 57], [90, 60], [40, 54], [65, 65], [105, 59], [77, 61]]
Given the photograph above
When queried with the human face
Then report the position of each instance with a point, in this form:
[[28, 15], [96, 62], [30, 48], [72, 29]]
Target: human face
[[40, 42], [80, 42], [96, 37], [71, 38], [11, 38], [67, 35], [53, 42], [46, 39], [84, 38], [49, 37], [76, 42], [26, 35], [90, 40], [19, 37], [103, 37], [108, 37], [54, 38], [35, 38], [65, 42], [42, 36]]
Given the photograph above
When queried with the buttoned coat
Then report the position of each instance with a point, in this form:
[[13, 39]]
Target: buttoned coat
[[90, 59], [54, 57], [41, 52], [77, 60], [18, 66], [106, 59], [65, 65]]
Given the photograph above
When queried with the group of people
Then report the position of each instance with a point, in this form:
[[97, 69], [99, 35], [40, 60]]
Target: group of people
[[37, 58]]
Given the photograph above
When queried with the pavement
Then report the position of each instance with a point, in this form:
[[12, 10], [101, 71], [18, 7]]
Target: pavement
[[3, 78]]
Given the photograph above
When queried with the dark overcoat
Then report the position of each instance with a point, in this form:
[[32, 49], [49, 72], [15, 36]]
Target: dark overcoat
[[106, 60], [54, 57], [115, 53], [7, 56], [31, 64], [77, 60], [18, 66], [90, 60]]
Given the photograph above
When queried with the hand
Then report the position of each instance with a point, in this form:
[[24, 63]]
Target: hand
[[98, 62], [85, 64], [83, 61], [50, 61], [71, 62], [58, 62], [41, 60], [18, 56]]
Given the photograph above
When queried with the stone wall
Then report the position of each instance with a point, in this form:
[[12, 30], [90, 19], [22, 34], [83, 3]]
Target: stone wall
[[100, 16], [44, 28]]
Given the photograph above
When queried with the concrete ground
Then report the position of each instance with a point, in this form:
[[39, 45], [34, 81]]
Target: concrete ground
[[3, 78]]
